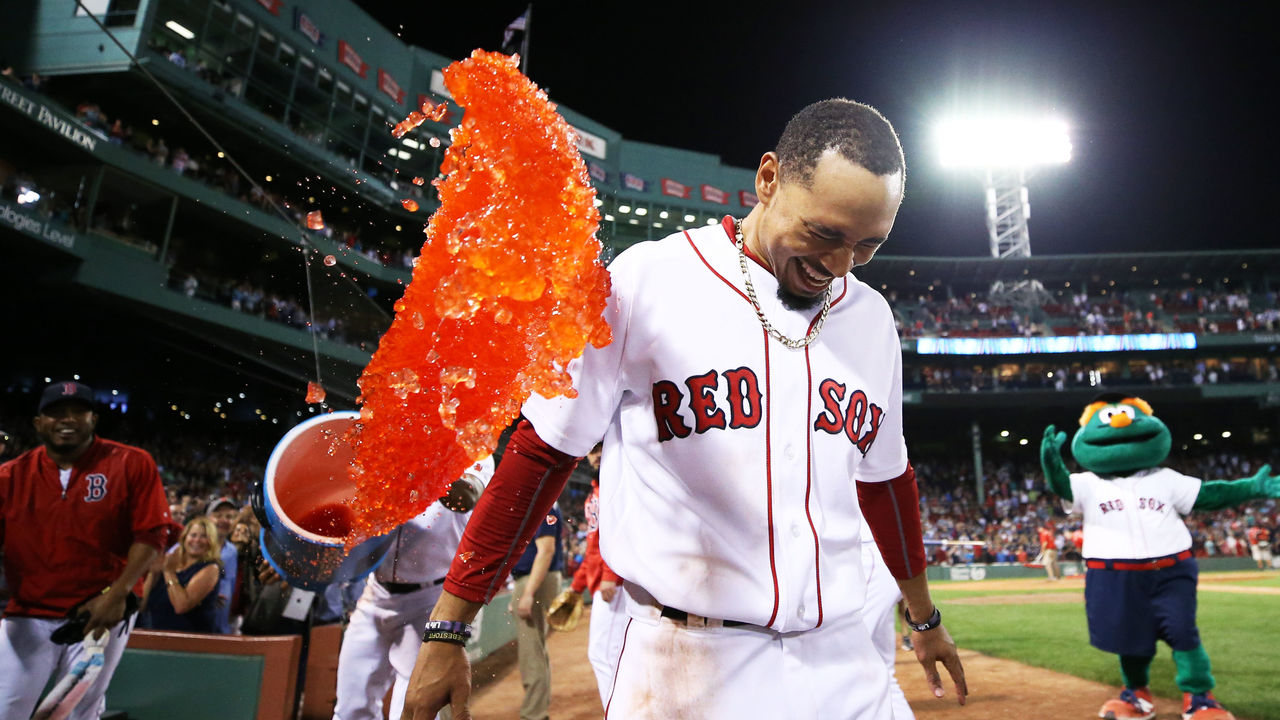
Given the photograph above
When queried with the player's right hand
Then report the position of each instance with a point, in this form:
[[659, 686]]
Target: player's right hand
[[608, 589], [934, 646], [441, 676]]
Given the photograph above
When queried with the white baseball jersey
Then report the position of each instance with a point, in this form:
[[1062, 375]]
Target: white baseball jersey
[[423, 548], [726, 479], [1136, 516]]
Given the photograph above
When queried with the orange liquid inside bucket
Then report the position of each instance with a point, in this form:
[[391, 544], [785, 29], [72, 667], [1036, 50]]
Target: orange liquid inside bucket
[[331, 520], [313, 484]]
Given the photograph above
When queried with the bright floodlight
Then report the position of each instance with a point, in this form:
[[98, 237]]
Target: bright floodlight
[[990, 142]]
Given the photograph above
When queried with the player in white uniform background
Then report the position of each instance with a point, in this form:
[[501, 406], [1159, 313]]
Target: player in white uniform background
[[381, 641], [751, 377]]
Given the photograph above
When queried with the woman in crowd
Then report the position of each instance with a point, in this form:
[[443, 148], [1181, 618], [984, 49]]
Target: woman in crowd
[[180, 593]]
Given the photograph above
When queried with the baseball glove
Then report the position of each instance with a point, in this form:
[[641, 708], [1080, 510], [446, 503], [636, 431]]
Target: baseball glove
[[565, 611]]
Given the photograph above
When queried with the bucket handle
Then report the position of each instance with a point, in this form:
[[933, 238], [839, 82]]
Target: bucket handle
[[257, 500]]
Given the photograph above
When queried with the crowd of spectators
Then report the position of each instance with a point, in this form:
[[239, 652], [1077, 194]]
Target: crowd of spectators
[[1200, 309], [204, 467], [359, 330], [1037, 376], [144, 136]]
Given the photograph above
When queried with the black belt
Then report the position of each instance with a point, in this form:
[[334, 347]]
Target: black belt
[[681, 616], [396, 588]]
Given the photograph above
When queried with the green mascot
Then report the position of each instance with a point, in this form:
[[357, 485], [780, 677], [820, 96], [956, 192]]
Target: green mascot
[[1140, 584]]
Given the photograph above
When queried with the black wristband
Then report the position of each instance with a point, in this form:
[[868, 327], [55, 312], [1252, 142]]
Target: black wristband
[[451, 631], [444, 636], [934, 620]]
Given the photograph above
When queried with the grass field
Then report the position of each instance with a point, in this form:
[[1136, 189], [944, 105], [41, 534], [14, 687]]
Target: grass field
[[1241, 633]]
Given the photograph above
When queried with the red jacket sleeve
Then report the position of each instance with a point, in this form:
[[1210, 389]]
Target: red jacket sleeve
[[892, 510], [150, 507], [517, 500], [589, 570]]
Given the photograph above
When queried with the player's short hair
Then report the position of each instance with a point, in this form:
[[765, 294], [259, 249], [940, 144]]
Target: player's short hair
[[857, 131]]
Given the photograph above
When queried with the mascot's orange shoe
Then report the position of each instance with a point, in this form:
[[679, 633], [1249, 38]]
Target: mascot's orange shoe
[[1133, 704], [1200, 706]]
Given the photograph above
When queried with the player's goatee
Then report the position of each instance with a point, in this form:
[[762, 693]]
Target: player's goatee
[[792, 301]]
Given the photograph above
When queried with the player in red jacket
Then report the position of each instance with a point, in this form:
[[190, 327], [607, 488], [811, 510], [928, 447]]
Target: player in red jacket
[[81, 518]]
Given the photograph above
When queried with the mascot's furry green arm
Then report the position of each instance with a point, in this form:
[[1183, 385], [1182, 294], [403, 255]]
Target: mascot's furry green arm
[[1122, 437]]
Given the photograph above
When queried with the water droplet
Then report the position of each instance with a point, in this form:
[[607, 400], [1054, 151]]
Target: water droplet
[[551, 519], [434, 142], [330, 260], [466, 556]]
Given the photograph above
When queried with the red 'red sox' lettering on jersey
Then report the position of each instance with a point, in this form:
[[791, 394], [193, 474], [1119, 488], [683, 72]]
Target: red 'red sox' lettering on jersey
[[744, 399], [850, 418], [858, 418]]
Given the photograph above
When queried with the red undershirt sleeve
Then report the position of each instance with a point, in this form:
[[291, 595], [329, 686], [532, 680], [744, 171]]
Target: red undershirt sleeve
[[524, 487], [892, 510]]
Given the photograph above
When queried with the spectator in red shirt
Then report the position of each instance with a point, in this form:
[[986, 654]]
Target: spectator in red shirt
[[81, 519]]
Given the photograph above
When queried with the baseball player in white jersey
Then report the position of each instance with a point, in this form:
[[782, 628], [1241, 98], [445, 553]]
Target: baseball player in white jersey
[[751, 377], [381, 641]]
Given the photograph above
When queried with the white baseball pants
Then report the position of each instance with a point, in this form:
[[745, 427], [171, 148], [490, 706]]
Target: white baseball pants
[[29, 659], [667, 669], [604, 639], [379, 649]]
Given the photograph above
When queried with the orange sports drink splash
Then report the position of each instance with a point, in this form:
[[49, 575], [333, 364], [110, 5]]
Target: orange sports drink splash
[[507, 290]]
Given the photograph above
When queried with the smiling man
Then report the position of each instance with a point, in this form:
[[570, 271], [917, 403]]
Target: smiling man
[[80, 520], [750, 406]]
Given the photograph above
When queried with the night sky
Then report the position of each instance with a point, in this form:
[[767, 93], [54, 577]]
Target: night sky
[[1174, 149]]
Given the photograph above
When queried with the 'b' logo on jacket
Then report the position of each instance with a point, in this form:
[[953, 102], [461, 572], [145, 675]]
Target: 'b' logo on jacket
[[97, 487]]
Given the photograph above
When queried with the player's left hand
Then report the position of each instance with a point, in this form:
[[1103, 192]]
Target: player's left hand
[[1267, 485], [104, 612], [524, 607], [936, 645]]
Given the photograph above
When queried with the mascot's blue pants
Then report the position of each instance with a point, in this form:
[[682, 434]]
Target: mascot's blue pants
[[1129, 610]]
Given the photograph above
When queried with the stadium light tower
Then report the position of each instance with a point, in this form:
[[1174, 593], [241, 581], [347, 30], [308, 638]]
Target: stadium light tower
[[1007, 151]]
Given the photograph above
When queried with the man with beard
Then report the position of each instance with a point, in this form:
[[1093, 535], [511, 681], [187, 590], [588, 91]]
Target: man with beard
[[81, 518]]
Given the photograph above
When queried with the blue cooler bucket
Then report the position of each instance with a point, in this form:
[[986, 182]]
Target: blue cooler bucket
[[303, 505]]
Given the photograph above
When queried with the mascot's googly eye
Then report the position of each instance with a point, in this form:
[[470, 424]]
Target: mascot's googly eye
[[1106, 413]]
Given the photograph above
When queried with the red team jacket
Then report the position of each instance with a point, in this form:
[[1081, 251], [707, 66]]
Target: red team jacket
[[62, 547], [593, 569]]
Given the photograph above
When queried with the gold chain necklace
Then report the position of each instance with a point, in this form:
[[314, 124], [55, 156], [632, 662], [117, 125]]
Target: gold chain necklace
[[751, 294]]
